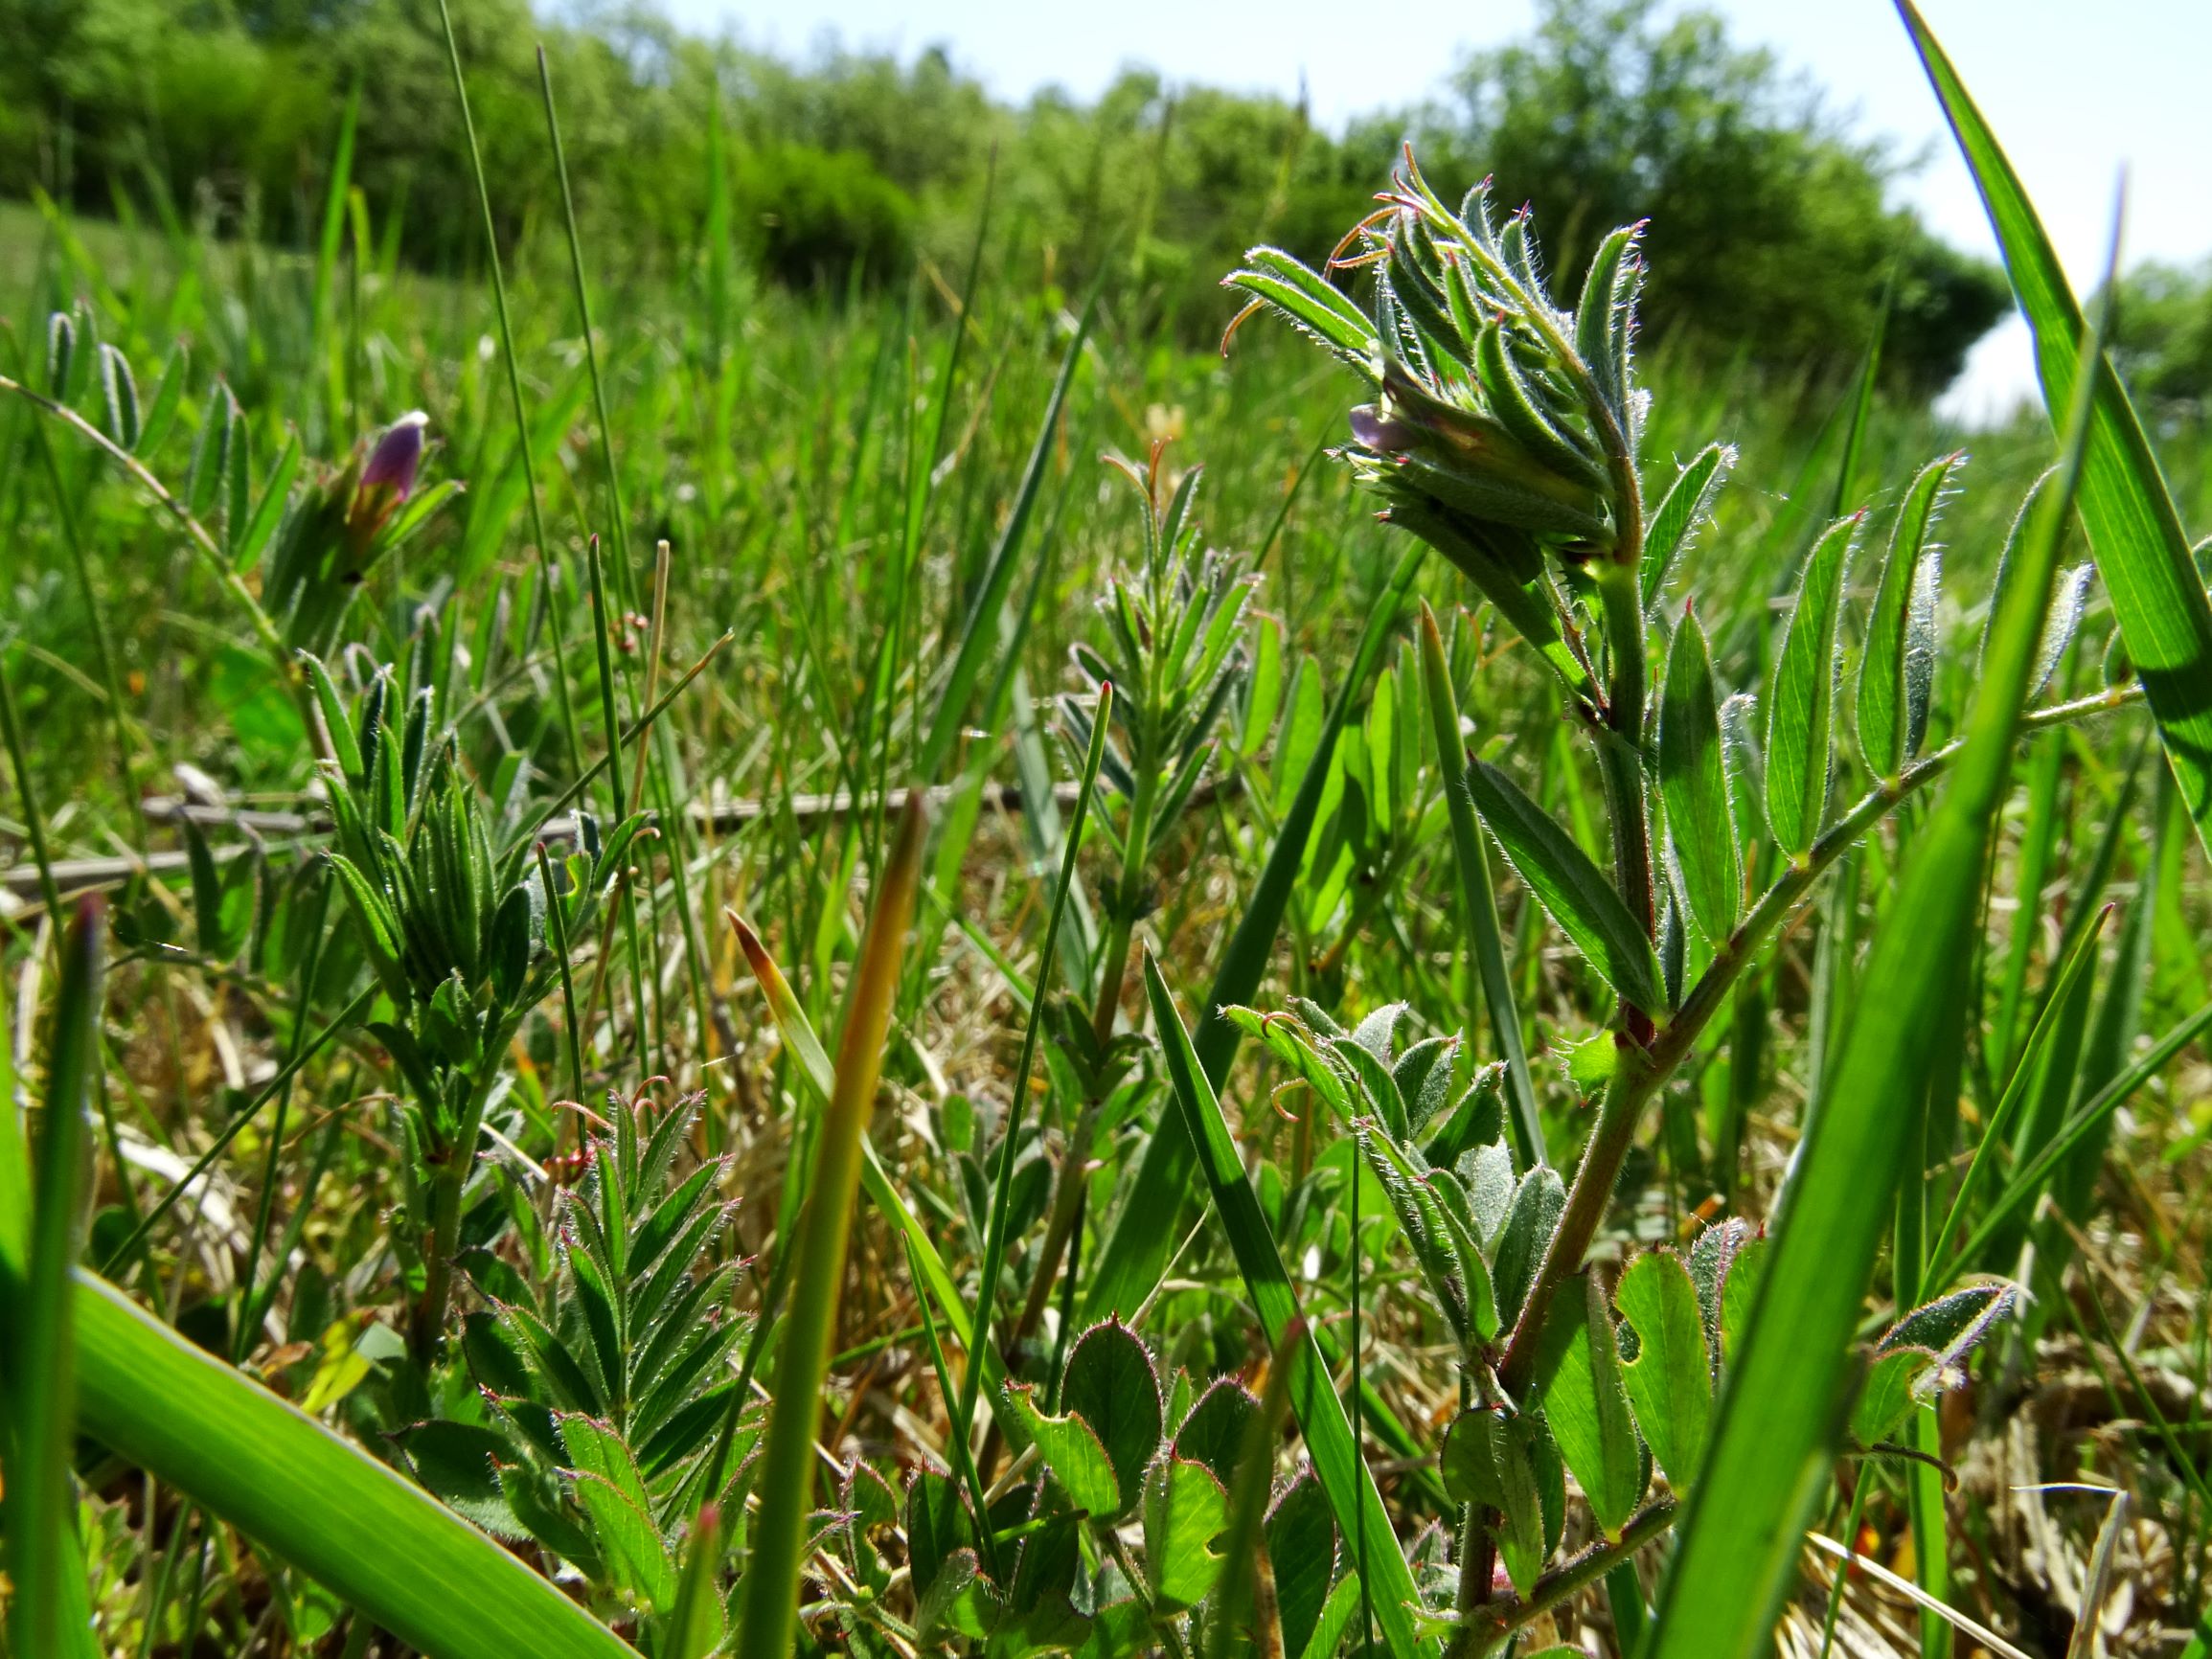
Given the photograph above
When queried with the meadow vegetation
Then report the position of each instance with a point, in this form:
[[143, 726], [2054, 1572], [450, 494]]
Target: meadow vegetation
[[749, 917]]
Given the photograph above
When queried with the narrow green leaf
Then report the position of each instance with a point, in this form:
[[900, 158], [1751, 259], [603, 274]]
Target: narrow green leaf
[[1676, 521], [1800, 736], [1344, 1474], [40, 1402], [1588, 1406], [1486, 939], [1264, 690], [2141, 549], [1897, 659], [269, 511], [2028, 1180], [815, 1071], [119, 397], [1996, 1136], [979, 634], [695, 1624], [1670, 1382], [786, 1480], [1694, 785], [1569, 886]]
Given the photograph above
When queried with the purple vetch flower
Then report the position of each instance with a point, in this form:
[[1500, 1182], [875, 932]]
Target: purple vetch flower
[[1383, 436], [397, 455], [388, 476]]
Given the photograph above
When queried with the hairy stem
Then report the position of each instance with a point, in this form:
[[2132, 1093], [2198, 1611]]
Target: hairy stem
[[1113, 975], [1501, 1619], [1620, 759], [197, 534], [426, 1327], [1645, 1068]]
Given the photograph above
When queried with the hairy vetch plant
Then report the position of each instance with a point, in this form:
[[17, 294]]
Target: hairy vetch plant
[[1504, 433], [601, 1361], [464, 939]]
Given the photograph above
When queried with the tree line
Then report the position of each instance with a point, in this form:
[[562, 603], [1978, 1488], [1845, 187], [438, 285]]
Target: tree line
[[1775, 235]]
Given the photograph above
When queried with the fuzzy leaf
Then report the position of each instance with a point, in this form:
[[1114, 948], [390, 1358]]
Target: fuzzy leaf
[[1898, 662], [1490, 1460], [1694, 785], [1675, 522], [1800, 705], [1213, 1434], [1572, 890], [1185, 1509], [1670, 1382], [1071, 1451], [1888, 1395], [1588, 1406], [1112, 1385], [1538, 1203], [1300, 1536]]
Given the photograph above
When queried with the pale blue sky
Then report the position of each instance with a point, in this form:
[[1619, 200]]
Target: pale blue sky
[[2075, 88]]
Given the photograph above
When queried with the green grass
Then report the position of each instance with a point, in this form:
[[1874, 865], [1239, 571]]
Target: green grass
[[522, 1194]]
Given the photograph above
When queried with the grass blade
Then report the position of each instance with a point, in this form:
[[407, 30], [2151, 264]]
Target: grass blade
[[786, 1482], [1999, 1132], [2029, 1178], [382, 1544], [1487, 943], [46, 1616], [2141, 550], [979, 636], [814, 1069], [1787, 1390], [1336, 1459], [555, 604]]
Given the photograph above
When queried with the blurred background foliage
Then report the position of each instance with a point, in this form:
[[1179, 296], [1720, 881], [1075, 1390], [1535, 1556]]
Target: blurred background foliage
[[1775, 235]]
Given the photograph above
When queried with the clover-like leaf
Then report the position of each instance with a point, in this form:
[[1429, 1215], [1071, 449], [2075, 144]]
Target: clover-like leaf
[[1186, 1509], [1670, 1380], [1071, 1451], [1112, 1385], [1587, 1404]]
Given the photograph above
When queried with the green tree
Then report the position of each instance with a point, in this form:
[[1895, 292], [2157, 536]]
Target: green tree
[[2162, 334], [1769, 223]]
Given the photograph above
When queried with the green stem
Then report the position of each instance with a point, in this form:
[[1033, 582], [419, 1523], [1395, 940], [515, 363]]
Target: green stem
[[33, 820], [1620, 758], [263, 1210], [553, 606], [1114, 976], [202, 539], [994, 1235], [96, 619], [1644, 1068], [1501, 1619], [426, 1329]]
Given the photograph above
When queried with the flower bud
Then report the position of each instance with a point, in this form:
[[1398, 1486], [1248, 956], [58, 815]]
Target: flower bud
[[388, 477]]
